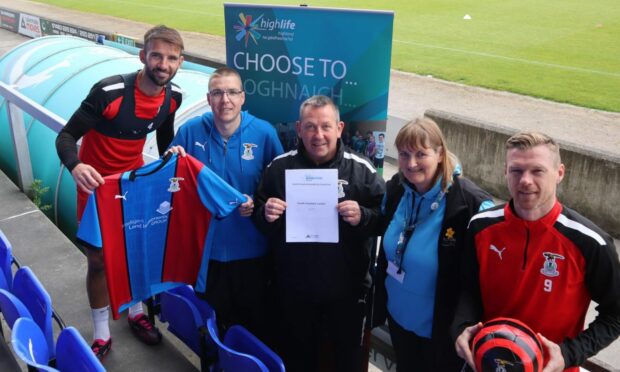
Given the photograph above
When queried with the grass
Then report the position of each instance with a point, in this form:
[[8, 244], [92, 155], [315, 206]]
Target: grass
[[562, 50]]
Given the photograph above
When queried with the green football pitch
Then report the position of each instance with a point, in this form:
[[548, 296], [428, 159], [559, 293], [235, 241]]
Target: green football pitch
[[562, 50]]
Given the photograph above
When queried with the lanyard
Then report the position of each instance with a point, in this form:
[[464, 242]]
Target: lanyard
[[405, 235]]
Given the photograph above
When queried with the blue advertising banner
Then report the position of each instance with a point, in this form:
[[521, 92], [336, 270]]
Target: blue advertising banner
[[287, 54]]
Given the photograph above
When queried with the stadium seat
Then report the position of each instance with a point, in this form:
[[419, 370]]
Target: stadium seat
[[6, 258], [187, 319], [12, 308], [240, 339], [204, 309], [30, 291], [232, 360], [74, 354], [29, 344]]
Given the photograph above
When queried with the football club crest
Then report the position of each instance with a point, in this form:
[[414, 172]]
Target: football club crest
[[341, 184], [550, 267], [174, 184], [248, 154], [500, 365]]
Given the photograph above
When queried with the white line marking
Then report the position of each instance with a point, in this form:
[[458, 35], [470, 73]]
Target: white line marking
[[521, 60], [19, 215]]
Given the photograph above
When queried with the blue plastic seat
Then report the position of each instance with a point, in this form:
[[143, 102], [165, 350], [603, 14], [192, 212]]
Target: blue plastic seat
[[240, 339], [74, 354], [232, 360], [6, 258], [28, 288], [29, 344], [12, 308], [187, 319], [204, 309]]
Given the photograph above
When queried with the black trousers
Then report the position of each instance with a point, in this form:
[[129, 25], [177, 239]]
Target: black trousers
[[413, 353], [238, 292], [320, 336]]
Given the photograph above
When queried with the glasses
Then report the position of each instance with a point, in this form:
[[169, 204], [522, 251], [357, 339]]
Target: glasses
[[231, 93]]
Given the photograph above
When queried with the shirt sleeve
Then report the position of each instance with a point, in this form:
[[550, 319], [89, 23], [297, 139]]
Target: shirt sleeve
[[217, 195], [179, 138], [370, 206], [270, 185], [165, 134], [275, 147], [83, 120], [89, 231], [469, 309], [603, 282]]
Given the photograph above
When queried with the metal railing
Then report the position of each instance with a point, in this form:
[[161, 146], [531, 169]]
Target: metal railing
[[17, 104]]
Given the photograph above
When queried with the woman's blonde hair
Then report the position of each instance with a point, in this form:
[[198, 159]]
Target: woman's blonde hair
[[425, 133]]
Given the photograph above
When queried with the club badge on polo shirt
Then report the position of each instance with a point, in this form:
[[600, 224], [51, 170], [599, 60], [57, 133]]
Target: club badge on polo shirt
[[341, 184], [550, 266], [248, 154]]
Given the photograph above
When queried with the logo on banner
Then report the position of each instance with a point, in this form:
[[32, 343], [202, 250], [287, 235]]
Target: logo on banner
[[247, 28]]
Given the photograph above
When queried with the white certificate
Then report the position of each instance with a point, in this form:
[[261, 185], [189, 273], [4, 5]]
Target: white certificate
[[311, 201]]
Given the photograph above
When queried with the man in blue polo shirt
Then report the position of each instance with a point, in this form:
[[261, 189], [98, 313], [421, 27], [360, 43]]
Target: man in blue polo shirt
[[237, 146]]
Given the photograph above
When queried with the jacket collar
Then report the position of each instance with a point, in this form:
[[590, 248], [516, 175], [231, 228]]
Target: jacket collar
[[328, 164], [547, 220]]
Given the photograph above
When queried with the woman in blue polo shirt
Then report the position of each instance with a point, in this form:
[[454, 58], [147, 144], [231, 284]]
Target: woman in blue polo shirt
[[426, 210]]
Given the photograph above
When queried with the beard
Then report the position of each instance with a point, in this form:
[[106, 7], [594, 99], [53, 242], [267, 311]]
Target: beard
[[150, 73]]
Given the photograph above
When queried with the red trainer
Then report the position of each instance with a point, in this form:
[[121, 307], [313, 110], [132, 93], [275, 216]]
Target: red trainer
[[101, 348], [143, 329]]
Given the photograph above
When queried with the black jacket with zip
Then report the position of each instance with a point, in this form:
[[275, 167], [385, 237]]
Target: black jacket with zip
[[323, 272]]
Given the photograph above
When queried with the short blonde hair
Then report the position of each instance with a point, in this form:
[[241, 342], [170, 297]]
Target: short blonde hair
[[529, 140], [425, 133], [225, 71]]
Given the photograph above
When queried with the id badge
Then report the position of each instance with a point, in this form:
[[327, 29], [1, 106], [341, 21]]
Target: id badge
[[392, 271]]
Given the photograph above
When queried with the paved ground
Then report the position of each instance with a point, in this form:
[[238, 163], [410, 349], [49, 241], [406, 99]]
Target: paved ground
[[410, 96]]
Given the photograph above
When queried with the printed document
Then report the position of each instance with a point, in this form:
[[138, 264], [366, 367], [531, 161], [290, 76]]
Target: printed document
[[311, 201]]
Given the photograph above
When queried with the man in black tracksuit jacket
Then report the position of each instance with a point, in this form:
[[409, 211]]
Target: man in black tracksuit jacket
[[321, 287]]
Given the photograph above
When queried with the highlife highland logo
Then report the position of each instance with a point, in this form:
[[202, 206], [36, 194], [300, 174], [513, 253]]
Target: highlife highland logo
[[248, 28]]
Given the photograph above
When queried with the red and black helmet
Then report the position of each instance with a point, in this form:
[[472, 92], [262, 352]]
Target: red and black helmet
[[507, 345]]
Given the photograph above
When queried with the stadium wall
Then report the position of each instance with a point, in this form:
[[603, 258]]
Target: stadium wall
[[591, 184]]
